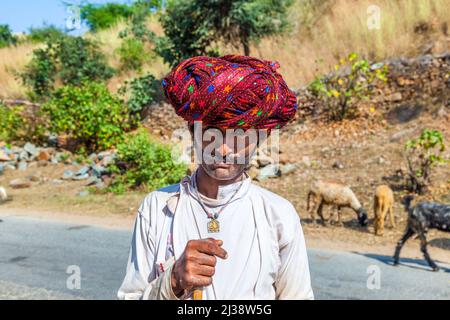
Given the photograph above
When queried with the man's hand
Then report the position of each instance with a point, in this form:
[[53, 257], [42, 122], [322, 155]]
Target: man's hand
[[196, 266]]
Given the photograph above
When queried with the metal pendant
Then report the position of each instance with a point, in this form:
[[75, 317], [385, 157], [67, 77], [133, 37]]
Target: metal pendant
[[213, 226]]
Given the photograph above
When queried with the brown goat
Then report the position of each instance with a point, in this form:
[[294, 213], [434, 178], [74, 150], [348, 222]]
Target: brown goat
[[383, 202]]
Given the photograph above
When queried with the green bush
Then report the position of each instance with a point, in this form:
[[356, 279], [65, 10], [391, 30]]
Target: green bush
[[132, 54], [99, 17], [141, 92], [341, 92], [68, 60], [45, 33], [90, 114], [145, 164], [6, 36], [423, 154], [20, 123]]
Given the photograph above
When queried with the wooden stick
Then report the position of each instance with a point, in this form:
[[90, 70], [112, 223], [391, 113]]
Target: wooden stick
[[198, 294]]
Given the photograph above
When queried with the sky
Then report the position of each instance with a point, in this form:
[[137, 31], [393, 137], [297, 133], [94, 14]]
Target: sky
[[20, 15]]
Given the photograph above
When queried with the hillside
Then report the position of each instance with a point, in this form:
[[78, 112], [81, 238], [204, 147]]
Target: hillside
[[320, 36]]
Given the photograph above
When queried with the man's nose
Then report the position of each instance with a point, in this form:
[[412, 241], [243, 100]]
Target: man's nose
[[224, 150]]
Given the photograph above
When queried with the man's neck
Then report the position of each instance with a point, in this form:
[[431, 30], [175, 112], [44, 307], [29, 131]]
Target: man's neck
[[208, 186]]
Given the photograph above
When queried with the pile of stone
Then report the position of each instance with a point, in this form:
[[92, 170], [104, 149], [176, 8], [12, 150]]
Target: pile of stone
[[30, 156], [265, 165]]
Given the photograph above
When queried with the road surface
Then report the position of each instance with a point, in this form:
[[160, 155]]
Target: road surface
[[40, 260]]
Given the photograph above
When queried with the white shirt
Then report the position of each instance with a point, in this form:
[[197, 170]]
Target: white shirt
[[261, 232]]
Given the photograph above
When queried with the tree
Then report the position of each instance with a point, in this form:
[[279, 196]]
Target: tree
[[193, 27], [6, 36], [99, 17]]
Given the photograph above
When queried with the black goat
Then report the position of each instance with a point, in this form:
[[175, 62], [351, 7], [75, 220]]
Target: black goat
[[421, 217]]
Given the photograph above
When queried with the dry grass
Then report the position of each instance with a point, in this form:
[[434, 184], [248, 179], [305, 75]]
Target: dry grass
[[323, 31], [343, 29], [12, 60]]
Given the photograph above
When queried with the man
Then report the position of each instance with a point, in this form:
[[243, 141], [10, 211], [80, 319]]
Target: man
[[216, 235]]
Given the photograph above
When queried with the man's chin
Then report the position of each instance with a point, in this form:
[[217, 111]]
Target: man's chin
[[221, 171]]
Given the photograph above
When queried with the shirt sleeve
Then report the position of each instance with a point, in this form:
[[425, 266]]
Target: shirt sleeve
[[141, 280], [293, 281]]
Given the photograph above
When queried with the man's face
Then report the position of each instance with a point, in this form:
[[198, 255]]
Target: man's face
[[225, 153]]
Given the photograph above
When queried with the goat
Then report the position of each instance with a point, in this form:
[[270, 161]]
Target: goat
[[421, 217], [383, 202], [3, 195], [331, 193]]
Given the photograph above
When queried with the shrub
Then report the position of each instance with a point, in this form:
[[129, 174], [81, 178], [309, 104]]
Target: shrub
[[90, 114], [144, 163], [69, 60], [352, 82], [20, 123], [45, 33], [132, 54], [141, 92], [6, 36], [423, 154]]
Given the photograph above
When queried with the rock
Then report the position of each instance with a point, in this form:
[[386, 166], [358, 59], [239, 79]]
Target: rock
[[264, 160], [92, 180], [338, 165], [10, 166], [19, 184], [31, 149], [381, 160], [106, 160], [100, 185], [84, 170], [54, 160], [81, 177], [288, 168], [42, 163], [22, 166], [442, 113], [68, 174], [32, 164], [93, 156], [269, 171], [306, 161], [99, 170], [103, 154], [43, 155], [399, 135], [83, 193], [4, 156], [395, 97], [23, 156], [57, 182], [52, 140], [34, 177]]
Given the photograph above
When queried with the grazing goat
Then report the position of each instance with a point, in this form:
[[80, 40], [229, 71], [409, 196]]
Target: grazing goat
[[421, 217], [383, 201], [3, 195], [334, 194]]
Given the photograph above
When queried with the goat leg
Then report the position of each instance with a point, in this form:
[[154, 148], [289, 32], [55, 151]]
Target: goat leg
[[408, 233], [423, 248]]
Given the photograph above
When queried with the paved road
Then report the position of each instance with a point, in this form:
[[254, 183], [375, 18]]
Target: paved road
[[35, 256]]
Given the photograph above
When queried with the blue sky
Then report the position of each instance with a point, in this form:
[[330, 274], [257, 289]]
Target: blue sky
[[22, 14]]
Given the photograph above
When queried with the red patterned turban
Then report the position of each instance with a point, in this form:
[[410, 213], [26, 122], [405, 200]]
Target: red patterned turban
[[230, 92]]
